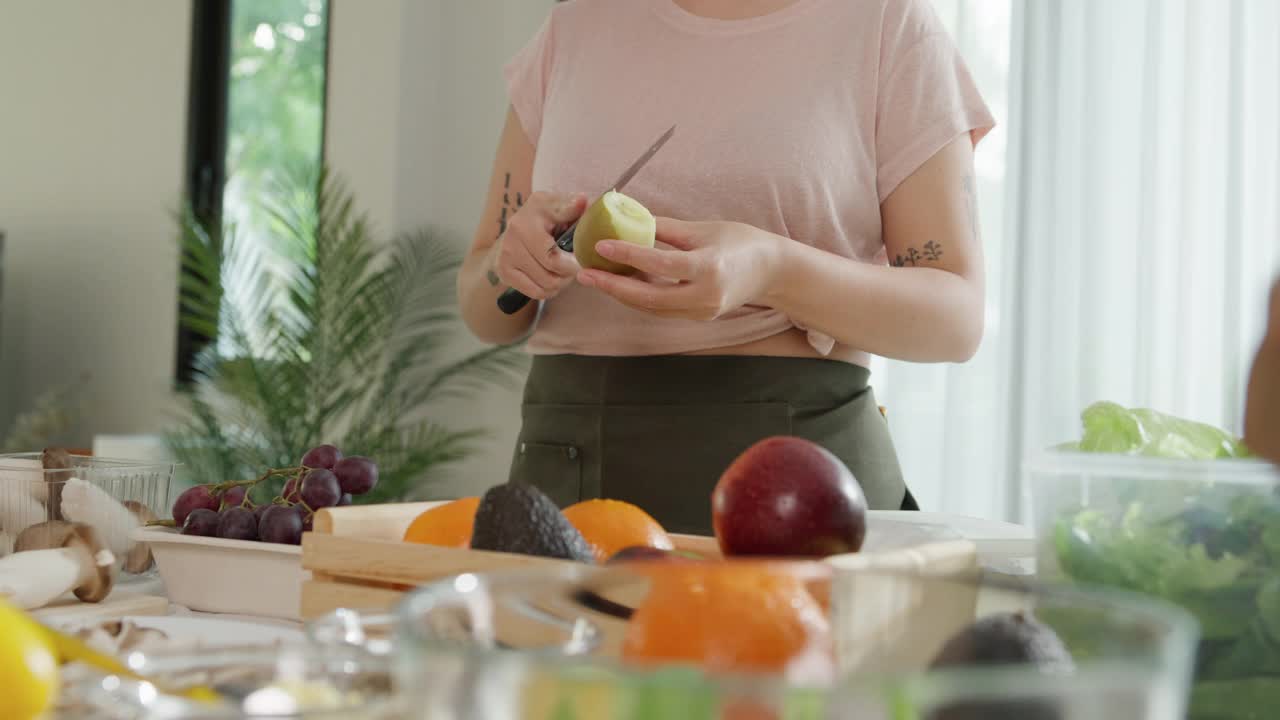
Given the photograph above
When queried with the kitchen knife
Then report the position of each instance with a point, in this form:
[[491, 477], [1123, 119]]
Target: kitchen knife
[[511, 301]]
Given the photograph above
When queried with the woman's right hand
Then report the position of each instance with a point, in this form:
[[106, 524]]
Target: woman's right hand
[[526, 257]]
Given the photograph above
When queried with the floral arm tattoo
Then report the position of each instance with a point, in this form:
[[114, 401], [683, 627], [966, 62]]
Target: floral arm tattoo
[[932, 250]]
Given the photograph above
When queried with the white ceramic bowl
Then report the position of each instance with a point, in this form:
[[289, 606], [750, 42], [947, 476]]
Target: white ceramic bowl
[[229, 576]]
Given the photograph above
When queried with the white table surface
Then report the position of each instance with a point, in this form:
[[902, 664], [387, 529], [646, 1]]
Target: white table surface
[[155, 586]]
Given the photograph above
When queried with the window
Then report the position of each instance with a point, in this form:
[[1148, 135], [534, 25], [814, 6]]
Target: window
[[257, 104]]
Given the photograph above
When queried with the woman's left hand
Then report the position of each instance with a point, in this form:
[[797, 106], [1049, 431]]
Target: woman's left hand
[[710, 269]]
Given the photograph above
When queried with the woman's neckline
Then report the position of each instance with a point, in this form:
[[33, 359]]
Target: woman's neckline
[[674, 13]]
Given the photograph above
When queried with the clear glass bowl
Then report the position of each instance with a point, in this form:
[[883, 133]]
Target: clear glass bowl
[[337, 682], [1202, 534], [31, 495], [545, 646]]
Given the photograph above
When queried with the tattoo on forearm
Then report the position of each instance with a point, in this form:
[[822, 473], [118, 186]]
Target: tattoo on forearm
[[508, 208], [932, 251]]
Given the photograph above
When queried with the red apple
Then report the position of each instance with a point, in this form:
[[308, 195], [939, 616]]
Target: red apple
[[786, 496]]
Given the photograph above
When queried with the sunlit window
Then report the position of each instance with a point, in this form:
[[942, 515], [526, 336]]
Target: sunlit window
[[257, 116]]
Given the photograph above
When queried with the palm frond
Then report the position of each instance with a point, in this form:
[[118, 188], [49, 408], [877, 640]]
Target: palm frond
[[418, 455], [325, 333]]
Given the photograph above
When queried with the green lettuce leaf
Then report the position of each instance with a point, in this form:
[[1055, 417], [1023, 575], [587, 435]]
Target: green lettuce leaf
[[1112, 428]]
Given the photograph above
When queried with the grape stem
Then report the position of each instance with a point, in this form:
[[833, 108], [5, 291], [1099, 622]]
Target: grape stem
[[290, 473]]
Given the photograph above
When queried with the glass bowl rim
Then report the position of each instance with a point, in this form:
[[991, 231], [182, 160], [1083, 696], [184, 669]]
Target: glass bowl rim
[[156, 663], [1174, 655]]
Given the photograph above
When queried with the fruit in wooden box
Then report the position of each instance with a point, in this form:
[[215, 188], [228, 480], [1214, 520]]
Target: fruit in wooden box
[[787, 496], [518, 518]]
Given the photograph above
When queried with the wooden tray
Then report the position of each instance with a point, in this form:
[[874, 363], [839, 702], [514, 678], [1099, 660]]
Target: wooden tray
[[358, 561]]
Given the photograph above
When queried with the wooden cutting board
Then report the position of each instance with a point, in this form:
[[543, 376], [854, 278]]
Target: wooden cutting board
[[70, 611]]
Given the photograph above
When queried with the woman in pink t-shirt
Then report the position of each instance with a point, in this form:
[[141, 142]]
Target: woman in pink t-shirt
[[816, 206]]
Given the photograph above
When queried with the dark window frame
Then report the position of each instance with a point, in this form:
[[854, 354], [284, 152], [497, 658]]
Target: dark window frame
[[208, 102]]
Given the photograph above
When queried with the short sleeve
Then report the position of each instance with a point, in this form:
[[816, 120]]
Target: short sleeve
[[528, 75], [926, 97]]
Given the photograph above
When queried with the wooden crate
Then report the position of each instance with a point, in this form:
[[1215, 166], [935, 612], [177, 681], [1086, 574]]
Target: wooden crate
[[882, 618], [357, 559]]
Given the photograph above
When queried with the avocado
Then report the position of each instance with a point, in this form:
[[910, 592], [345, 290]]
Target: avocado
[[519, 518], [1004, 639]]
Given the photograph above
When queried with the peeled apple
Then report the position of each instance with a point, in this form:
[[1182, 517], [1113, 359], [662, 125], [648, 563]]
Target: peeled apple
[[613, 217], [28, 666]]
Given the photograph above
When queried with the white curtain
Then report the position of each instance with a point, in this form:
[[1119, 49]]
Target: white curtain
[[1131, 211]]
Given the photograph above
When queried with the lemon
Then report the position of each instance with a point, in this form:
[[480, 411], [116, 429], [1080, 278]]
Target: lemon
[[28, 666]]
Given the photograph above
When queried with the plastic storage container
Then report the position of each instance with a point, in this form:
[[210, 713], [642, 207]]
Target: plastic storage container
[[114, 496], [541, 646], [1202, 534]]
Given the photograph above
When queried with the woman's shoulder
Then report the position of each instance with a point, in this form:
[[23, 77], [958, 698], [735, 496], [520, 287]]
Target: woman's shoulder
[[581, 13], [906, 20]]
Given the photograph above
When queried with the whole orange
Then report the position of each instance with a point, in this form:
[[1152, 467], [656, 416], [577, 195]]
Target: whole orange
[[612, 525], [730, 616], [449, 525]]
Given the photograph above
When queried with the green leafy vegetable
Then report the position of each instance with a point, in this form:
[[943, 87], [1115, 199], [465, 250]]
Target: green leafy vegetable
[[1194, 544], [1111, 428]]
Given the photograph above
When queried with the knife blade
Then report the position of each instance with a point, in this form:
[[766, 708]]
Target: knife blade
[[512, 301]]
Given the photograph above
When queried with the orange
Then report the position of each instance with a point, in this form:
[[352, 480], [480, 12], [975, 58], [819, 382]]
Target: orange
[[730, 616], [449, 524], [612, 525]]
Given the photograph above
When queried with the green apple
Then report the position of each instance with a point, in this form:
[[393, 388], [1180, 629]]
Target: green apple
[[613, 217]]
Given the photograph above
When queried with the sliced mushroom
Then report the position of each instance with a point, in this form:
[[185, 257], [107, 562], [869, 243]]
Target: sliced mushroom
[[139, 559], [53, 558], [119, 637], [57, 470]]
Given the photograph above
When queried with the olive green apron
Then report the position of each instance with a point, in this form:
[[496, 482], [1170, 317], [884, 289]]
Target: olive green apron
[[658, 431]]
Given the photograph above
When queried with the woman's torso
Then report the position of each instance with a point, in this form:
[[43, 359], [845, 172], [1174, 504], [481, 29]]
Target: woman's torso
[[777, 128]]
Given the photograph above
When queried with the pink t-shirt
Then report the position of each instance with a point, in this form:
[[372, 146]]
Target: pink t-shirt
[[800, 122]]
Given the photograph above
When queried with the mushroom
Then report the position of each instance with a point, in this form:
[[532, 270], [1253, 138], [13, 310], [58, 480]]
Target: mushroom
[[120, 637], [138, 559], [57, 468], [84, 502], [55, 557]]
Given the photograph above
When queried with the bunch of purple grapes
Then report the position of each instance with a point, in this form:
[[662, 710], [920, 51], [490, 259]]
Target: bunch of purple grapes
[[324, 478]]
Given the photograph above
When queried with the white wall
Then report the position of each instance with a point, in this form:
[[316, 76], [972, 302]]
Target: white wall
[[92, 124], [416, 103]]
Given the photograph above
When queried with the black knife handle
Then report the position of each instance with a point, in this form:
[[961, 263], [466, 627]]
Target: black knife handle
[[512, 301]]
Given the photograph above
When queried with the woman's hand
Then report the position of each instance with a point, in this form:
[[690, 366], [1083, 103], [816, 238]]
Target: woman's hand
[[526, 257], [710, 269]]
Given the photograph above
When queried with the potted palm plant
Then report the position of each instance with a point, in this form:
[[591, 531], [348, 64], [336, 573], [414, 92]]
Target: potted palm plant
[[321, 332]]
